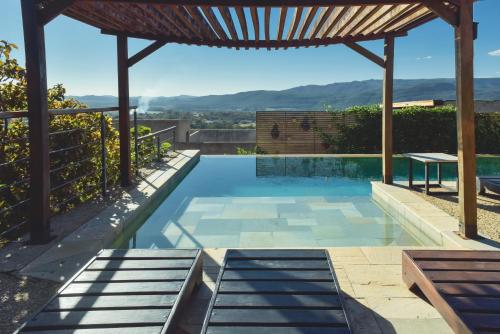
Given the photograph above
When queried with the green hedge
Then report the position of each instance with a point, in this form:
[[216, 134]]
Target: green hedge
[[415, 129]]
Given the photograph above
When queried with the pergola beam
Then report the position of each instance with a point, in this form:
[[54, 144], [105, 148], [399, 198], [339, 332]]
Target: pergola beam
[[34, 41], [366, 53], [52, 10], [443, 11], [464, 51], [271, 3], [145, 52], [260, 43]]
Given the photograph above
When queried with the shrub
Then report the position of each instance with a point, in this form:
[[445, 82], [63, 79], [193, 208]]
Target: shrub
[[415, 129]]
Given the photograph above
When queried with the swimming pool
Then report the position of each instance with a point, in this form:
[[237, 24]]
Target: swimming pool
[[235, 201]]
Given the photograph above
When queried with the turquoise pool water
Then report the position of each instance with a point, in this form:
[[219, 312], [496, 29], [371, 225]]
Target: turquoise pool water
[[233, 201]]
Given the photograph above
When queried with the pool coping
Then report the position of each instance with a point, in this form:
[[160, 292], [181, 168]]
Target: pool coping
[[66, 257], [422, 218]]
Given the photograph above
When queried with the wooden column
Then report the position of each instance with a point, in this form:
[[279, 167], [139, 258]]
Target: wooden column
[[464, 53], [387, 101], [124, 111], [34, 40]]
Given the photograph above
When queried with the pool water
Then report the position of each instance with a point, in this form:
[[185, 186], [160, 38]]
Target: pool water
[[234, 201]]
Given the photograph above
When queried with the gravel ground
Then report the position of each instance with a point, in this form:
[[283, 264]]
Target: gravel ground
[[20, 297], [488, 211]]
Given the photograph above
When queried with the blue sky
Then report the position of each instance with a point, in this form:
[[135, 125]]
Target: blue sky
[[85, 61]]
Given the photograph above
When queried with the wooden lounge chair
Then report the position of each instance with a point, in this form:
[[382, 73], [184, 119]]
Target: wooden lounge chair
[[278, 292], [122, 291], [492, 183], [464, 286]]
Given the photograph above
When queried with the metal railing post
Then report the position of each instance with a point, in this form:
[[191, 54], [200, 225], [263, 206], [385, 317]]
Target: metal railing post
[[136, 144], [104, 177], [173, 142], [158, 148]]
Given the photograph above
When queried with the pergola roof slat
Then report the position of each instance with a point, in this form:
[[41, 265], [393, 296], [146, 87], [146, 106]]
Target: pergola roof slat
[[196, 15], [255, 22], [267, 23], [322, 17], [214, 22], [314, 23], [297, 15], [243, 21], [311, 12], [226, 16]]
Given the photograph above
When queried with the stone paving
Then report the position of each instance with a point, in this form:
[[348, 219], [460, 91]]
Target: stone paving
[[377, 300]]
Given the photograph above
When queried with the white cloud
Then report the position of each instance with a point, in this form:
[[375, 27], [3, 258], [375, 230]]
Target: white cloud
[[424, 58], [495, 53]]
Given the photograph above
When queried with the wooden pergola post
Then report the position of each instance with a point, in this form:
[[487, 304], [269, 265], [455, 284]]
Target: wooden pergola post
[[34, 41], [464, 52], [124, 110], [387, 101]]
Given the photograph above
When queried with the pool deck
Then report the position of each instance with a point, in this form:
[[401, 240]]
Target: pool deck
[[377, 300], [423, 218]]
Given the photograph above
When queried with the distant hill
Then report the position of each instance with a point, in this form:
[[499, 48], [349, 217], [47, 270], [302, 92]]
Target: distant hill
[[310, 97]]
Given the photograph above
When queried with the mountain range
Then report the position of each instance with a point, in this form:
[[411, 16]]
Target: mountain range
[[310, 97]]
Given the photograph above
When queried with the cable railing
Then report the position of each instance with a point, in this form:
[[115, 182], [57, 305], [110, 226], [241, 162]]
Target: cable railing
[[142, 144], [75, 152]]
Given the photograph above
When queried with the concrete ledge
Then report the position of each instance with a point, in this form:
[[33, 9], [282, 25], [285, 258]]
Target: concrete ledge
[[425, 221], [61, 261]]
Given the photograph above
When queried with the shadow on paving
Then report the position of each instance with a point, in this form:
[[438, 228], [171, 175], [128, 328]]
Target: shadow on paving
[[20, 297], [362, 319]]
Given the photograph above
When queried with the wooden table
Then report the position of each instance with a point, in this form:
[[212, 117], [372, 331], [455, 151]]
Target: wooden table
[[427, 159]]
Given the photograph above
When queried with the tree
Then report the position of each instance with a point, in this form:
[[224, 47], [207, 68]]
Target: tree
[[13, 85], [81, 132]]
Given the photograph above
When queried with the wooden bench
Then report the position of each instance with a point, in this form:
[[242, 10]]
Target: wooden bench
[[278, 292], [464, 286], [492, 183], [122, 291]]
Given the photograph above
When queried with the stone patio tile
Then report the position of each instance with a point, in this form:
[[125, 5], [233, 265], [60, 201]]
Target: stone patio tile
[[383, 275], [294, 208], [189, 218], [217, 241], [293, 239], [389, 255], [250, 211], [402, 308], [195, 207], [414, 326], [285, 215], [327, 231], [368, 209], [330, 216], [262, 200], [351, 213], [256, 239], [361, 318], [218, 227], [329, 206], [211, 200], [261, 225], [363, 220], [380, 290], [302, 221]]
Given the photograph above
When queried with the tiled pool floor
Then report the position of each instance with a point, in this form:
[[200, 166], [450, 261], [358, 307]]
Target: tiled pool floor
[[274, 222]]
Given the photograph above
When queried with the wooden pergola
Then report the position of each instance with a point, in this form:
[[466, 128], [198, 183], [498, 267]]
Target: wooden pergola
[[247, 24]]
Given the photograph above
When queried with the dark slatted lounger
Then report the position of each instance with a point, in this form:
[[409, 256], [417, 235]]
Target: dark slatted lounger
[[464, 286], [492, 183], [278, 292], [122, 292]]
